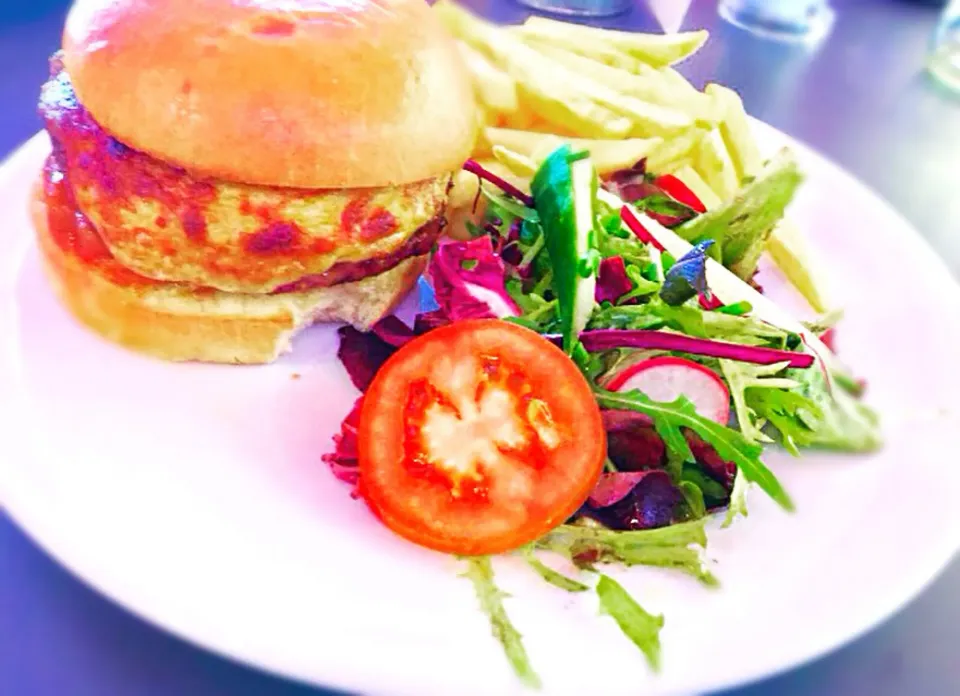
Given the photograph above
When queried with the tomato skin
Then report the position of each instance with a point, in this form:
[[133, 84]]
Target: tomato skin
[[522, 494]]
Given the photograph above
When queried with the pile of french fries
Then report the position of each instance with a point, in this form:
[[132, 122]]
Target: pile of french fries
[[617, 95]]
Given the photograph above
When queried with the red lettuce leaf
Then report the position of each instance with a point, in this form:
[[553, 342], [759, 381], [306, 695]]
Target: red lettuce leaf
[[612, 280], [651, 501], [344, 459], [362, 354], [393, 331]]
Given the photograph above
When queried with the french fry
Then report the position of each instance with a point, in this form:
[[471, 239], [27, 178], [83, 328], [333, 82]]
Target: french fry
[[654, 49], [788, 249], [715, 165], [736, 131], [648, 84], [521, 165], [607, 155], [673, 151], [466, 191], [557, 95], [689, 176], [495, 89]]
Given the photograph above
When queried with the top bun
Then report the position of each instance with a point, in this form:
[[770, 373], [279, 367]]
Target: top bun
[[297, 93]]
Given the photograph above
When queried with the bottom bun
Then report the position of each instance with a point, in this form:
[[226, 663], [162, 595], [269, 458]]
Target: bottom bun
[[180, 323]]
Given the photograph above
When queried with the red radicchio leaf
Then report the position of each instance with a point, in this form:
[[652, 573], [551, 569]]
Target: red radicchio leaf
[[612, 280], [468, 279], [362, 354], [651, 501]]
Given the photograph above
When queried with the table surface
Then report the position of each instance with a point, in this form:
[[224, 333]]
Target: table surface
[[860, 97]]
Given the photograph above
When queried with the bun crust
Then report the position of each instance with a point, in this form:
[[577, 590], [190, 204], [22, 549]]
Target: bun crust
[[294, 93], [179, 323]]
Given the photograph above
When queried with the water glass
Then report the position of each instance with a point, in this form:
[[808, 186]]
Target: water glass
[[783, 20], [580, 8], [944, 62]]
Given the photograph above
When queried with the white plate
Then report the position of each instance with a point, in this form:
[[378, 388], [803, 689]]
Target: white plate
[[195, 496]]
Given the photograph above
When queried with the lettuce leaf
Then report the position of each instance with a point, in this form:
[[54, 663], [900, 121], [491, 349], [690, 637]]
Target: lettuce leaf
[[637, 624], [741, 226], [480, 573]]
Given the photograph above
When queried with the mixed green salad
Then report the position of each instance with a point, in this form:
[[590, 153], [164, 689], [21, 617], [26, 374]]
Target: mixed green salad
[[693, 369]]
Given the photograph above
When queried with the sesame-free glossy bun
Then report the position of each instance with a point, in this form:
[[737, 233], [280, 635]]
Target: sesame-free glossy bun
[[297, 93]]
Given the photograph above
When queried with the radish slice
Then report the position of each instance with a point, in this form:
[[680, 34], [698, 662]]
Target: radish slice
[[665, 378]]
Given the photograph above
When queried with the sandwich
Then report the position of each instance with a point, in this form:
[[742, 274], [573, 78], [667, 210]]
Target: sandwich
[[225, 174]]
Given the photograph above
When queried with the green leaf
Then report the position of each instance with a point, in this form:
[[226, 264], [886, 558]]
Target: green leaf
[[792, 414], [738, 499], [741, 227], [505, 207], [741, 376], [710, 490], [480, 572], [667, 547], [552, 576], [731, 445], [843, 423], [638, 625], [693, 498]]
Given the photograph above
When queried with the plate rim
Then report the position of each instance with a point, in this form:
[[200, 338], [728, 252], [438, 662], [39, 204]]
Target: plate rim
[[53, 543]]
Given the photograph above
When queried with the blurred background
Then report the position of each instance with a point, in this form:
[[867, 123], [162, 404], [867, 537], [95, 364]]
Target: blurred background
[[866, 82]]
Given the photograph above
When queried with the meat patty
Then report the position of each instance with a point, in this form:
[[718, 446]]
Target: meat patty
[[75, 235], [167, 223]]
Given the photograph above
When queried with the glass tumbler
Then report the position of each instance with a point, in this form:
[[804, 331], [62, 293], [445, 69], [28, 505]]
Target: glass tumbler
[[579, 8], [944, 61], [783, 20]]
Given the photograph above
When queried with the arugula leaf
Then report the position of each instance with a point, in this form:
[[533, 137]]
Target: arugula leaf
[[638, 625], [480, 572], [506, 208], [730, 445], [693, 499], [710, 489], [550, 575], [665, 547]]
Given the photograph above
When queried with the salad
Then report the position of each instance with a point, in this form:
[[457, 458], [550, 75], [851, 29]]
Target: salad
[[593, 374]]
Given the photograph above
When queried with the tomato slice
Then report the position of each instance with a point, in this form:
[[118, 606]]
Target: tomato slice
[[478, 437]]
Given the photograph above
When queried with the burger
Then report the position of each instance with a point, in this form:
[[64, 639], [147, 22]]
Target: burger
[[224, 173]]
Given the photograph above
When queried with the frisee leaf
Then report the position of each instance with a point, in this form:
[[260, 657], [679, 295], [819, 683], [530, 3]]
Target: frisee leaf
[[731, 445], [480, 572], [741, 376], [844, 424], [738, 499], [666, 547], [792, 414], [552, 576], [640, 626]]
